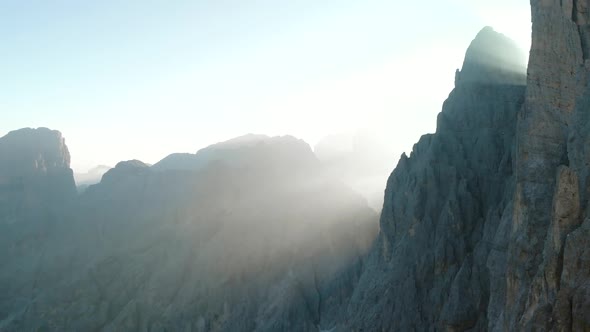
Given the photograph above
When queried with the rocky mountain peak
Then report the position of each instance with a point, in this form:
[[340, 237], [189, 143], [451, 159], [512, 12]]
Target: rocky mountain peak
[[247, 151], [33, 151], [125, 169], [493, 58], [35, 175]]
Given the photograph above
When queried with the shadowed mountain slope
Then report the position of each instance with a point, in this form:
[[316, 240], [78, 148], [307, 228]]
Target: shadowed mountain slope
[[251, 240]]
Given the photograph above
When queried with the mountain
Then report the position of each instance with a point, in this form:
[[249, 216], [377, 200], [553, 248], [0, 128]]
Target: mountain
[[491, 58], [485, 225], [93, 176], [246, 151], [35, 175], [36, 188], [255, 238], [446, 205], [547, 274]]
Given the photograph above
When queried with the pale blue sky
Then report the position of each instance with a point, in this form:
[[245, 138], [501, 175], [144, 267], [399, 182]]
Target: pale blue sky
[[142, 79]]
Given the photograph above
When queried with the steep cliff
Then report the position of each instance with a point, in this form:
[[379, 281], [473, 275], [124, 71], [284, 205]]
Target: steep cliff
[[547, 271], [36, 188], [35, 163], [36, 185], [485, 226], [444, 205]]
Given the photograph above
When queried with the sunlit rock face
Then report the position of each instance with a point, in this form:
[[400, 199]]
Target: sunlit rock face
[[254, 238]]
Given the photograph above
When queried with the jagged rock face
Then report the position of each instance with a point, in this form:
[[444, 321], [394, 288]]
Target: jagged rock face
[[443, 208], [471, 240], [545, 283]]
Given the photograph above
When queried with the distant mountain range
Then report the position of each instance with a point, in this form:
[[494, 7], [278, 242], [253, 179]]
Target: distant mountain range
[[93, 176], [229, 238]]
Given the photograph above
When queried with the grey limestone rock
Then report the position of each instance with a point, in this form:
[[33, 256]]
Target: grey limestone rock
[[485, 225], [444, 206]]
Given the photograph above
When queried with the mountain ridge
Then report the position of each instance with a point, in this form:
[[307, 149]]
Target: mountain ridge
[[485, 225]]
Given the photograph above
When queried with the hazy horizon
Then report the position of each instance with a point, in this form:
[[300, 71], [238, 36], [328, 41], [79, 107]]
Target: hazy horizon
[[141, 81]]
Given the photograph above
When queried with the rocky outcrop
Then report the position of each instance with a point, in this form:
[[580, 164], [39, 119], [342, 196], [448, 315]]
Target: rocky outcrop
[[360, 160], [485, 225], [551, 193], [125, 170], [36, 163], [444, 205], [36, 188], [35, 176]]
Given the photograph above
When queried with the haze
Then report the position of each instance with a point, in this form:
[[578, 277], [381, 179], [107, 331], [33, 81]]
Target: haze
[[295, 166], [141, 80]]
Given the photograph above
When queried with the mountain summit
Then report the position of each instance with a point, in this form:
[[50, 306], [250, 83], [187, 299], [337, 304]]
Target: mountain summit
[[33, 151], [493, 58], [34, 168]]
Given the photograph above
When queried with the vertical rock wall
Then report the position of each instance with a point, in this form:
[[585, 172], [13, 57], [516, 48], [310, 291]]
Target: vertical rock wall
[[551, 173]]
